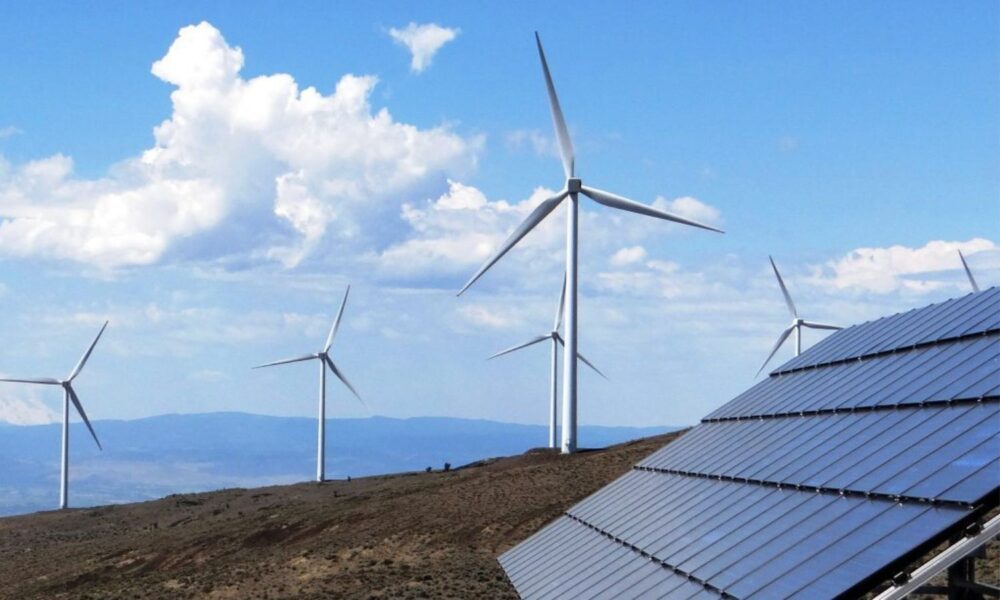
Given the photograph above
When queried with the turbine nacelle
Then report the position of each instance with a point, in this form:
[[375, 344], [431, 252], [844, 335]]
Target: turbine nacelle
[[574, 187], [797, 322]]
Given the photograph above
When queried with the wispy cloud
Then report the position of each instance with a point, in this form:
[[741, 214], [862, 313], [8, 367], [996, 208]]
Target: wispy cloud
[[9, 131], [931, 267], [24, 410], [423, 41]]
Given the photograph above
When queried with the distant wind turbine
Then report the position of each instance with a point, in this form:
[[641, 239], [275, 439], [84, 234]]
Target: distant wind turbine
[[556, 339], [69, 395], [797, 323], [323, 356], [972, 280], [573, 187]]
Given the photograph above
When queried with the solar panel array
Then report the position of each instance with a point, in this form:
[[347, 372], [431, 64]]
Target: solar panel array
[[818, 482]]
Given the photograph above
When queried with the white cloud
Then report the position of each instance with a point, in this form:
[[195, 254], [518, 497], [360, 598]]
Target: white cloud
[[628, 256], [257, 168], [25, 411], [899, 268], [423, 41], [539, 143], [689, 208], [491, 317], [460, 229], [9, 131]]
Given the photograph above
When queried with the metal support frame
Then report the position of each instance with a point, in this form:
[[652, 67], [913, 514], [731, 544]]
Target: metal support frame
[[961, 584]]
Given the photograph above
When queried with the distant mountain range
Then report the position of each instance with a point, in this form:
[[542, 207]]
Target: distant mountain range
[[153, 457]]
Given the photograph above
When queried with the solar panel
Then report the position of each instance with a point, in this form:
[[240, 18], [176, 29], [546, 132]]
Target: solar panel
[[966, 316], [818, 482]]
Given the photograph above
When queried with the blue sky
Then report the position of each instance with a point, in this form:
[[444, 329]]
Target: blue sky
[[213, 209]]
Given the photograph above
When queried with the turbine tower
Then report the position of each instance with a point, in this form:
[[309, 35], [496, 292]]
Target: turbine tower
[[556, 340], [69, 395], [325, 362], [972, 280], [572, 189], [797, 322]]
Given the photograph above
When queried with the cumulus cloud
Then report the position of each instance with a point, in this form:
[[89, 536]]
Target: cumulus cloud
[[490, 317], [460, 229], [423, 41], [900, 268], [689, 208], [628, 256], [254, 167], [25, 411]]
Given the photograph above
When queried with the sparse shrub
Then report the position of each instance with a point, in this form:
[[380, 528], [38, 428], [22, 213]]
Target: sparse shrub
[[428, 470], [447, 466]]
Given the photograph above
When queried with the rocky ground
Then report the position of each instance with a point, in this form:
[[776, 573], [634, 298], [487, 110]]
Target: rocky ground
[[417, 535]]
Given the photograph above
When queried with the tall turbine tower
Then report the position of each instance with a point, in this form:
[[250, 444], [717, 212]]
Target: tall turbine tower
[[972, 280], [69, 395], [323, 356], [556, 339], [572, 189], [797, 322]]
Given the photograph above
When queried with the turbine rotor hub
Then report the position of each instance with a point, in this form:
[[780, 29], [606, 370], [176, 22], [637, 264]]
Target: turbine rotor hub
[[574, 185]]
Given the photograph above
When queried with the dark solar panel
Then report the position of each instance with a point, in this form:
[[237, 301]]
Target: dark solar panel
[[965, 369], [812, 484], [965, 316]]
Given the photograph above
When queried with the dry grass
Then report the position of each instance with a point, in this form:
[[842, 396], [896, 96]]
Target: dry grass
[[419, 535]]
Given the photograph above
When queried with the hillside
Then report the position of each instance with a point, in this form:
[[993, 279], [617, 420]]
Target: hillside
[[153, 457], [414, 535]]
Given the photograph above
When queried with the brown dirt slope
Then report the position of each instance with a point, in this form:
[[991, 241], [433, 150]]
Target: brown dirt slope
[[420, 535]]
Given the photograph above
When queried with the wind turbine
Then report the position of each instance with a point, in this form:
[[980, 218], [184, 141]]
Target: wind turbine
[[972, 280], [572, 189], [323, 356], [69, 395], [797, 322], [556, 340]]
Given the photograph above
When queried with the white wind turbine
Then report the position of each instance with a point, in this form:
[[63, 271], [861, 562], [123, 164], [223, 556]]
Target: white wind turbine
[[972, 280], [572, 189], [323, 356], [69, 395], [556, 340], [797, 322]]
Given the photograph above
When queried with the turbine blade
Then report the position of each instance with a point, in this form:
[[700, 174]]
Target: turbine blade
[[41, 380], [820, 325], [562, 306], [972, 280], [534, 341], [343, 379], [616, 201], [336, 322], [286, 361], [83, 414], [86, 355], [582, 358], [784, 290], [781, 340], [536, 216], [562, 133]]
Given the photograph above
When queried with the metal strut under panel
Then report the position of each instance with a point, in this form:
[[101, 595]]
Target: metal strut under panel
[[941, 562]]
